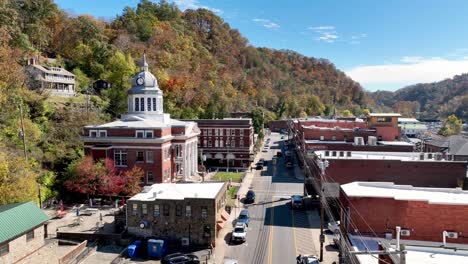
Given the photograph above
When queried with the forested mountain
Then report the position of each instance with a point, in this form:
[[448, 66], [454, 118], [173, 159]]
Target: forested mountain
[[205, 68], [429, 100]]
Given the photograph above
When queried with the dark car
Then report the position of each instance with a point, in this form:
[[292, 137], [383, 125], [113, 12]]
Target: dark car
[[244, 217], [180, 258], [297, 202], [259, 165], [250, 197], [279, 154]]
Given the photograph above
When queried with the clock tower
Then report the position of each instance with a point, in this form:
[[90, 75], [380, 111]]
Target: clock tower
[[145, 97]]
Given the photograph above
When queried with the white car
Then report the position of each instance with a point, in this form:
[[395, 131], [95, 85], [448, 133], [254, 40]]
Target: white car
[[334, 227], [307, 259], [239, 233], [231, 261]]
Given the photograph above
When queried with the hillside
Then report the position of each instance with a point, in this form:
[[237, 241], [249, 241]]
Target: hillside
[[205, 68], [431, 100]]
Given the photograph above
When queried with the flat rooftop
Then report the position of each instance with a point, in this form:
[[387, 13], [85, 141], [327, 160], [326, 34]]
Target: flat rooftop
[[179, 191], [429, 253], [384, 114], [448, 196], [376, 155]]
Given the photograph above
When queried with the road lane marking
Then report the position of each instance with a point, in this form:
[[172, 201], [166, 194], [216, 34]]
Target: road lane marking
[[270, 237]]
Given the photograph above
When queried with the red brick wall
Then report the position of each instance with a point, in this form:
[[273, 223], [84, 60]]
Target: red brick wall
[[316, 133], [334, 123], [388, 133], [425, 221], [416, 173], [277, 125], [352, 147]]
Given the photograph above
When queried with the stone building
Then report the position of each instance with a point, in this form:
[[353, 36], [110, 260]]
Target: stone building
[[183, 212], [22, 231], [166, 149], [226, 143], [54, 80]]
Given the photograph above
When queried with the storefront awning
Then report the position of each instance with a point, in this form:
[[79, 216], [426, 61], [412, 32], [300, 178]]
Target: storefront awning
[[219, 156], [224, 215], [220, 225], [230, 156]]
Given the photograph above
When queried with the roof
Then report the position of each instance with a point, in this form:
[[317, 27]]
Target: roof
[[18, 218], [52, 70], [407, 120], [179, 191], [426, 253], [456, 144], [394, 143], [413, 126], [379, 155], [143, 121], [384, 114], [448, 196]]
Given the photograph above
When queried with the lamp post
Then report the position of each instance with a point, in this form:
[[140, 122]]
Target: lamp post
[[203, 166]]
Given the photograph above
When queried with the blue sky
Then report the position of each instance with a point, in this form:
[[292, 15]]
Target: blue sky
[[384, 45]]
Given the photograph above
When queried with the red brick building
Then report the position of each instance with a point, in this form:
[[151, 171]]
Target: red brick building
[[417, 169], [226, 142], [422, 213], [164, 148]]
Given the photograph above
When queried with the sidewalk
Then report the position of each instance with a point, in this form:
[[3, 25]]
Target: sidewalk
[[221, 246]]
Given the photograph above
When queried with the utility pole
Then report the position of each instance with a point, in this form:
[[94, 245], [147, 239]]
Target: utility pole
[[322, 236], [23, 135]]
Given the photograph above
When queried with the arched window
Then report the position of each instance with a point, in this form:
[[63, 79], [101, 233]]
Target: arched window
[[142, 103], [149, 104], [137, 108], [154, 105]]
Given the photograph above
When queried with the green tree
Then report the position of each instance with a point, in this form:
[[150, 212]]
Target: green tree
[[83, 81], [315, 107], [452, 126], [346, 113]]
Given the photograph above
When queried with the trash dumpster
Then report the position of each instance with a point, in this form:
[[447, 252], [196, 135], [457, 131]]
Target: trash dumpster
[[133, 249], [156, 248]]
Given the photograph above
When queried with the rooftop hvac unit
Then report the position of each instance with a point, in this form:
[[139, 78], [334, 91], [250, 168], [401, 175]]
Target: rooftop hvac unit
[[452, 234], [405, 232], [184, 241], [359, 141], [388, 236], [372, 140]]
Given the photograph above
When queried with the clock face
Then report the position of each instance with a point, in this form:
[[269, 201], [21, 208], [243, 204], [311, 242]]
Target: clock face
[[140, 81]]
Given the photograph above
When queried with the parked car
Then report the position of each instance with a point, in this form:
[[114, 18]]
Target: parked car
[[279, 154], [297, 202], [259, 165], [334, 227], [307, 259], [244, 217], [180, 258], [231, 261], [239, 233], [250, 197]]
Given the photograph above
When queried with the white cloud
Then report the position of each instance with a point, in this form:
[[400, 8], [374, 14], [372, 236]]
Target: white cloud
[[266, 23], [194, 4], [328, 37], [322, 28], [410, 70], [325, 33]]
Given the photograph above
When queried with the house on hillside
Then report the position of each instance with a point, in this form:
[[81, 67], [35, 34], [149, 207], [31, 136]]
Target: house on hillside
[[23, 227], [55, 80]]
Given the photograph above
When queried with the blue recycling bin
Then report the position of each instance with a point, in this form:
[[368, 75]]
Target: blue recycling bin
[[133, 249], [156, 248]]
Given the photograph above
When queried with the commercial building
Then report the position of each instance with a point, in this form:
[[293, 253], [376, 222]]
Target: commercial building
[[226, 143], [54, 80], [418, 169], [411, 127], [426, 214], [183, 213], [453, 147], [23, 227], [166, 149]]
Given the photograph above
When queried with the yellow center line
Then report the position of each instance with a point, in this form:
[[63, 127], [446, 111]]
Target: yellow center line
[[294, 232], [270, 237]]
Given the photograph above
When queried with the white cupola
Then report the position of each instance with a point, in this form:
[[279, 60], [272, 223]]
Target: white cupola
[[145, 97]]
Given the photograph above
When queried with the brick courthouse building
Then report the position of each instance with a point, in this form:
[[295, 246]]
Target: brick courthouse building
[[166, 149]]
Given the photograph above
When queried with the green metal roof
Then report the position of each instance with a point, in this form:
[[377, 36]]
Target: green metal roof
[[15, 219]]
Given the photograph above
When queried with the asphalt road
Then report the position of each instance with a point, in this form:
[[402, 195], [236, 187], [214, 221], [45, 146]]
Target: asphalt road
[[276, 234]]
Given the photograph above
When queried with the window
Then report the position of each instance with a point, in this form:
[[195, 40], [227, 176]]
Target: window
[[149, 104], [93, 133], [209, 143], [221, 143], [178, 150], [345, 138], [327, 153], [209, 132], [233, 132], [30, 235], [139, 133], [149, 157], [241, 142], [156, 211], [334, 153], [142, 103], [188, 211], [149, 133], [216, 132], [348, 153], [233, 143], [149, 177], [137, 104], [333, 138], [178, 210], [154, 104], [204, 212], [384, 119], [134, 209], [120, 158], [241, 132], [341, 154], [140, 156], [4, 249], [216, 143], [166, 210], [144, 209], [322, 138], [102, 133]]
